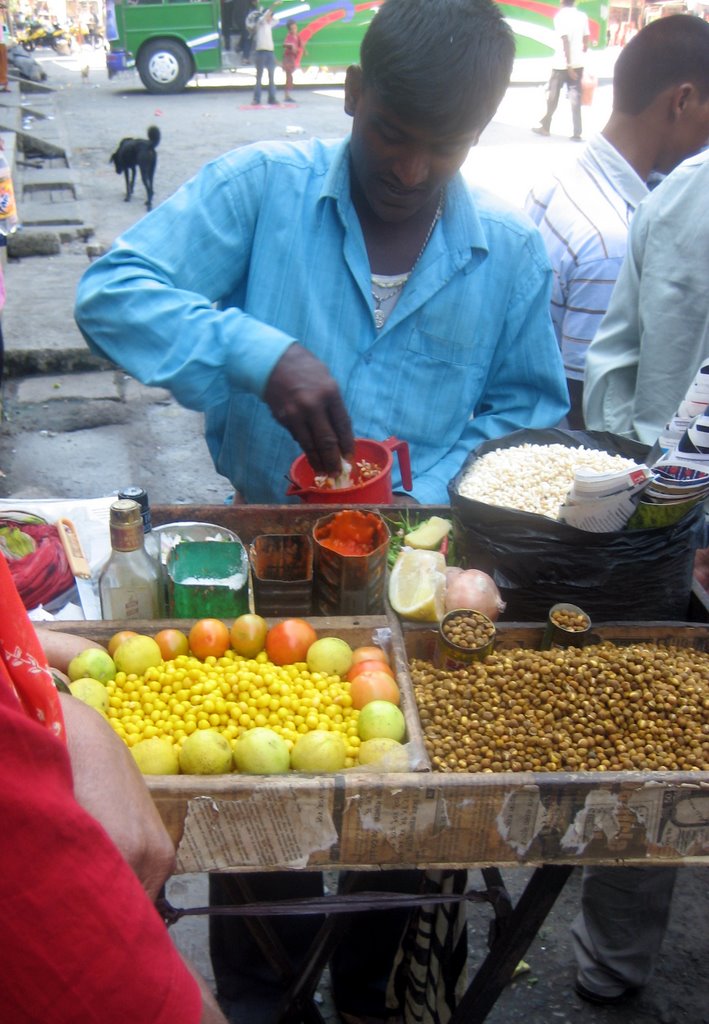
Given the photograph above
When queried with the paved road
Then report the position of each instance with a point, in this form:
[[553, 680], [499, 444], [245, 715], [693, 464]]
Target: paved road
[[78, 434]]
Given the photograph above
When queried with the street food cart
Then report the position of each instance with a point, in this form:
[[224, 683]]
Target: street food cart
[[552, 821]]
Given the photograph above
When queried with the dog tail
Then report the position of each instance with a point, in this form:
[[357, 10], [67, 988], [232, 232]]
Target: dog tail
[[153, 135]]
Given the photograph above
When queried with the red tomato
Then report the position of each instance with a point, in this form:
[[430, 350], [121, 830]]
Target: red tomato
[[368, 686], [209, 637], [369, 666], [288, 641], [248, 635], [369, 654], [172, 642]]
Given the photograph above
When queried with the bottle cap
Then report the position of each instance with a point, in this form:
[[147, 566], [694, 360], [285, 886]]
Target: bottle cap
[[125, 525], [139, 495], [125, 512]]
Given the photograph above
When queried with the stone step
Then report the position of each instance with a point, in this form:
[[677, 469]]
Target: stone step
[[58, 214], [46, 179]]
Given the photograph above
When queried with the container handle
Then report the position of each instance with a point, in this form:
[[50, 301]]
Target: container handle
[[294, 488], [402, 451]]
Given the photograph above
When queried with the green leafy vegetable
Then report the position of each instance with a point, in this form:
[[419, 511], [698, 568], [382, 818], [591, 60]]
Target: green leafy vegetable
[[15, 543]]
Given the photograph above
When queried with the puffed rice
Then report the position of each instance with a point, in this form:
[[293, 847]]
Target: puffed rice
[[534, 477]]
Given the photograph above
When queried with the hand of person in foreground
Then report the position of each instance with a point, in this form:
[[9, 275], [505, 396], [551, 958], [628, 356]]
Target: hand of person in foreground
[[59, 648], [304, 398], [109, 786]]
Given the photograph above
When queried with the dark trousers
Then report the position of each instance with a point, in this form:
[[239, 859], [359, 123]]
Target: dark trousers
[[574, 416], [251, 990], [246, 42], [557, 80]]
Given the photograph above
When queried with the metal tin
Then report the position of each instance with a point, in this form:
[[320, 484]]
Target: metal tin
[[282, 573], [207, 579], [566, 634], [351, 584], [450, 655]]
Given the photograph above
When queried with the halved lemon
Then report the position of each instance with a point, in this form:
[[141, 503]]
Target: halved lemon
[[417, 585]]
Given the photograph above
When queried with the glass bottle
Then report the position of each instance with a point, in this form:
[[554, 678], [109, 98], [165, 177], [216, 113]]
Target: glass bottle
[[151, 541], [129, 584]]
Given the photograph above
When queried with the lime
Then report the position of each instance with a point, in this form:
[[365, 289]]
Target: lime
[[381, 718], [261, 751], [94, 663]]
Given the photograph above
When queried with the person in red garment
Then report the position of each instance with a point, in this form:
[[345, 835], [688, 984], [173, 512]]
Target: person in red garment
[[83, 854]]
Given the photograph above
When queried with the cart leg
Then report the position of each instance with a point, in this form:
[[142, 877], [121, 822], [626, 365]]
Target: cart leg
[[514, 938], [297, 1002]]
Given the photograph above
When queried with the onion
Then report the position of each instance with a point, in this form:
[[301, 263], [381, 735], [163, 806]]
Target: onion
[[472, 588]]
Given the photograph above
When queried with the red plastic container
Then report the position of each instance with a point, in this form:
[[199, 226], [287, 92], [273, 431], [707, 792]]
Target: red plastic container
[[376, 491]]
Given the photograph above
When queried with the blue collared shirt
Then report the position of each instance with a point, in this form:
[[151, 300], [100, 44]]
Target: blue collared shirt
[[263, 248]]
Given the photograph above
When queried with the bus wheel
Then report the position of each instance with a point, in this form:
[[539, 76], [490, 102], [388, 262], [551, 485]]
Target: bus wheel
[[164, 66]]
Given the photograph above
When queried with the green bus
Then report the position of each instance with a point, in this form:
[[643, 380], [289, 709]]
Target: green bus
[[170, 41]]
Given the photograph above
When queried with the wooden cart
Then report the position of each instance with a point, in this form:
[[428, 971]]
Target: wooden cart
[[364, 820]]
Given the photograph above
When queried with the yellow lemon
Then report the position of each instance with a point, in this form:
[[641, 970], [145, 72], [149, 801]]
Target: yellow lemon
[[385, 754], [429, 534], [91, 692], [137, 654], [156, 756], [319, 751], [417, 585], [329, 655], [206, 752]]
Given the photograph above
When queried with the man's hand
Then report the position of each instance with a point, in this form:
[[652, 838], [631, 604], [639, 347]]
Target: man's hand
[[305, 399], [109, 786]]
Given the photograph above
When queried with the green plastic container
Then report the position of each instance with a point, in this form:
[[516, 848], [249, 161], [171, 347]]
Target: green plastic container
[[207, 579]]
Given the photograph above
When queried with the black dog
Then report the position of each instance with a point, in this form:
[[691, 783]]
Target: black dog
[[138, 154]]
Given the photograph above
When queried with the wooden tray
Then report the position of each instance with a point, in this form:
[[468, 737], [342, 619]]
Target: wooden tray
[[362, 819]]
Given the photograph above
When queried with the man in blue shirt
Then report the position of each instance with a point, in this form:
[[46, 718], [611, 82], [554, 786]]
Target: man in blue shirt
[[298, 293], [302, 294]]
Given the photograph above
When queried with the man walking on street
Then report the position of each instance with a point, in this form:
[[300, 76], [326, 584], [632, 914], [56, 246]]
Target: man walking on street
[[573, 36]]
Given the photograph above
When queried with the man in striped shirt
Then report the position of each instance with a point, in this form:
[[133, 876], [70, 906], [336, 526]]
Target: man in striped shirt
[[659, 117]]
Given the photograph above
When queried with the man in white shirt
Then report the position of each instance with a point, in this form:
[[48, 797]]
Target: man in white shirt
[[655, 334], [264, 57], [658, 120], [573, 35]]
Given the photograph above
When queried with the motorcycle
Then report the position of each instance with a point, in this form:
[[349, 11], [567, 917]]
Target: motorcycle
[[37, 34]]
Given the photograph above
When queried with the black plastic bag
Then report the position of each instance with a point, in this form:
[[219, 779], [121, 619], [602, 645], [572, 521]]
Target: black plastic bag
[[537, 561]]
